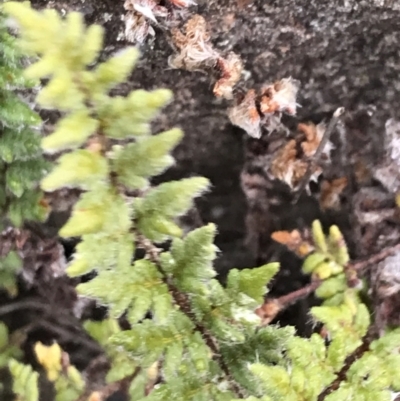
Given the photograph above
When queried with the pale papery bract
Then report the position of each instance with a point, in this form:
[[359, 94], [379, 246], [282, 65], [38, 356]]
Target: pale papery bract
[[137, 28], [183, 3], [285, 95], [245, 115]]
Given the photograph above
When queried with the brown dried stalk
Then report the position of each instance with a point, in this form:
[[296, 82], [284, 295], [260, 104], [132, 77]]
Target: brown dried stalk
[[319, 151], [374, 259], [273, 306]]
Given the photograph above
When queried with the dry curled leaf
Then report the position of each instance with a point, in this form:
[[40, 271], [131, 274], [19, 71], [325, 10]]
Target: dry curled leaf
[[313, 136], [182, 3], [268, 311], [330, 193], [294, 241], [245, 115], [279, 97], [138, 18], [276, 99], [269, 104], [231, 69], [282, 166], [137, 29], [140, 15], [196, 51], [288, 166]]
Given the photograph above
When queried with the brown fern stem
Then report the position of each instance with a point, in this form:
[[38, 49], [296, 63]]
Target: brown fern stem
[[182, 300], [353, 357]]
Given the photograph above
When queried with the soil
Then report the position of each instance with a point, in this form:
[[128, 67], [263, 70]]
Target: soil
[[343, 52]]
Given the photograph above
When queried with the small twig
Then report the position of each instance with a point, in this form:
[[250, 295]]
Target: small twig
[[24, 304], [66, 327], [318, 153], [271, 307], [378, 257], [291, 298]]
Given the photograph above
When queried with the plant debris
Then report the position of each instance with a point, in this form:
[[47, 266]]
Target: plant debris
[[329, 197], [142, 13], [231, 69], [269, 103], [196, 53], [295, 241], [313, 136], [289, 168], [246, 116]]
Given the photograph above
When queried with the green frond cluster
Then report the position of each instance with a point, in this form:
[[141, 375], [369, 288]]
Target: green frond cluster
[[308, 371], [25, 384], [21, 161], [311, 365]]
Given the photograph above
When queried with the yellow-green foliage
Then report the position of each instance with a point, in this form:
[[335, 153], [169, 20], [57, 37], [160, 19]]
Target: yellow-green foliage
[[25, 384], [196, 338], [310, 365], [342, 312], [68, 382]]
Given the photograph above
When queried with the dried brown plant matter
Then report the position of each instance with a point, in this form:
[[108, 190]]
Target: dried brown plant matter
[[196, 52], [263, 109]]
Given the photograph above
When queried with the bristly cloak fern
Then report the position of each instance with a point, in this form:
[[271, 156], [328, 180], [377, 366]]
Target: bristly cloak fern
[[21, 161], [189, 338]]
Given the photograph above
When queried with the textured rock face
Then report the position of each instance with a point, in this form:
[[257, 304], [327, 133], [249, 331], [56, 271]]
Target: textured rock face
[[344, 53]]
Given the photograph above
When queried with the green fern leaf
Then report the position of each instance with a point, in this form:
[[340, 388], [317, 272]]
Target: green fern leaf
[[189, 262], [71, 132], [145, 158], [252, 282], [25, 384], [102, 251], [130, 117], [81, 168], [115, 70], [138, 289], [156, 210], [100, 209]]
